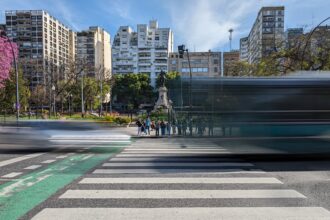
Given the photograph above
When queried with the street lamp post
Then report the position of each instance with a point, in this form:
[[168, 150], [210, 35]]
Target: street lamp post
[[230, 38], [70, 104], [17, 105], [54, 107], [82, 95], [181, 50]]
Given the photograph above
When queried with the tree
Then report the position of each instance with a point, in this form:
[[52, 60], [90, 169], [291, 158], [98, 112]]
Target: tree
[[8, 92], [6, 58], [134, 89]]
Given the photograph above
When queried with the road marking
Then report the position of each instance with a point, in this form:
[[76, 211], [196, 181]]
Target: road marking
[[170, 155], [160, 164], [17, 198], [153, 159], [162, 171], [11, 175], [231, 213], [175, 152], [33, 167], [18, 159], [62, 157], [180, 194], [172, 149], [48, 161], [188, 180]]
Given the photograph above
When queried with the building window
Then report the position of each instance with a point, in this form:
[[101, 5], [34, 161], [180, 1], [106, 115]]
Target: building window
[[215, 69]]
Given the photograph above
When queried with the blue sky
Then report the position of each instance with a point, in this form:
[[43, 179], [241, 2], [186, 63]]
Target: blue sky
[[200, 24]]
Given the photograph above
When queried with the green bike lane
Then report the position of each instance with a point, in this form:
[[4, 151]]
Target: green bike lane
[[22, 195]]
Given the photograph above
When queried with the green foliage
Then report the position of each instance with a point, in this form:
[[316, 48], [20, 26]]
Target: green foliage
[[170, 76], [8, 93], [133, 89], [117, 120]]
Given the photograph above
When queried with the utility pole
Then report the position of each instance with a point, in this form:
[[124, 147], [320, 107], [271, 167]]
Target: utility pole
[[182, 49], [230, 38], [82, 95]]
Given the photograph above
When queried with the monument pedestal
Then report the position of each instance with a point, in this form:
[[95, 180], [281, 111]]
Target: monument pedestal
[[162, 102]]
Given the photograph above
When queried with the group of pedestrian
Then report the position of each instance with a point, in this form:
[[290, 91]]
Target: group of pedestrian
[[185, 127], [160, 127], [144, 127]]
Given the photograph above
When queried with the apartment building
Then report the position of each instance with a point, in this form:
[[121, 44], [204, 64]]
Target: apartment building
[[203, 64], [267, 34], [94, 48], [44, 42], [145, 50], [292, 36], [244, 49], [229, 60]]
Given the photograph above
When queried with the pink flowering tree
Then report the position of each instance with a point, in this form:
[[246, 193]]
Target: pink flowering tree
[[6, 58]]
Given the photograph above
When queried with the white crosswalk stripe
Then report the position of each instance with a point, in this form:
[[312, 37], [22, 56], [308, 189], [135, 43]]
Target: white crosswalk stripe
[[162, 164], [181, 171], [237, 213], [147, 174], [187, 180]]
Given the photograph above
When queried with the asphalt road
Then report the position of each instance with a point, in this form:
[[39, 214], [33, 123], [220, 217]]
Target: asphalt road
[[167, 178]]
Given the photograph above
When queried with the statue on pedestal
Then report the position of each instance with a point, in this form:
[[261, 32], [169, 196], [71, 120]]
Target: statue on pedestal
[[162, 102]]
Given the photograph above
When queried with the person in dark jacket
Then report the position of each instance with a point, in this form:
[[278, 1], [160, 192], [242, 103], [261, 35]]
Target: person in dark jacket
[[163, 127]]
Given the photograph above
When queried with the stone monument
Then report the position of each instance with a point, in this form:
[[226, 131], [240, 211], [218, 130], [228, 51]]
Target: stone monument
[[162, 102]]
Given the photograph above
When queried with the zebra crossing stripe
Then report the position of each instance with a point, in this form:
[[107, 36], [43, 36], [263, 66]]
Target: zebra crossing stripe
[[172, 154], [180, 194], [196, 213], [173, 149], [183, 159], [11, 175], [18, 159], [160, 164], [32, 167], [174, 171], [181, 180]]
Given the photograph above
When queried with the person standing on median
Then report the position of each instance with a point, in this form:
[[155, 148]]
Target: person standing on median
[[162, 127], [148, 124], [157, 128], [139, 124], [168, 128]]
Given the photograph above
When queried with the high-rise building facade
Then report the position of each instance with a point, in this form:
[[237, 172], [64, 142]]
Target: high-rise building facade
[[293, 36], [143, 51], [203, 64], [267, 34], [43, 42], [94, 48], [244, 49]]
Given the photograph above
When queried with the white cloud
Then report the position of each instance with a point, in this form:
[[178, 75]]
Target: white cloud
[[204, 24]]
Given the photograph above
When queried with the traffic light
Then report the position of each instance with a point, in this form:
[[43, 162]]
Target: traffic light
[[181, 50]]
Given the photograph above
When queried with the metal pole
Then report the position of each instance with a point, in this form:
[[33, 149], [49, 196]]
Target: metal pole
[[82, 95], [190, 87], [54, 105], [70, 105], [101, 97]]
